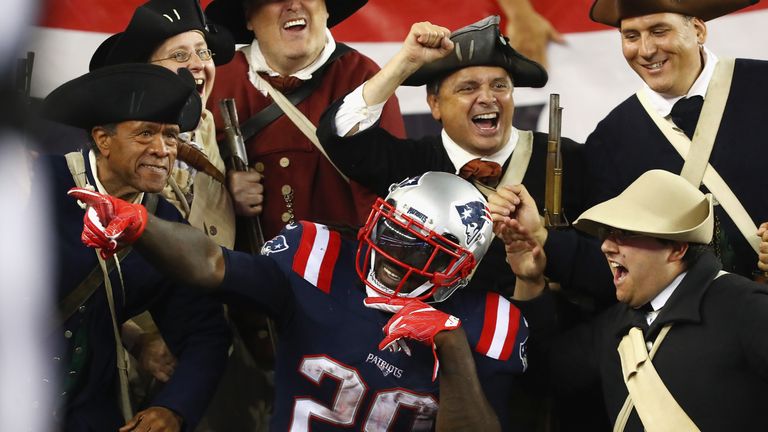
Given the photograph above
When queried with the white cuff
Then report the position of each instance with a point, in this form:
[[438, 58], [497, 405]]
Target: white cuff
[[354, 112]]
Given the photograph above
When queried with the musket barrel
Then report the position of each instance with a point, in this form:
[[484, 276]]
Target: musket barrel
[[239, 162], [553, 191]]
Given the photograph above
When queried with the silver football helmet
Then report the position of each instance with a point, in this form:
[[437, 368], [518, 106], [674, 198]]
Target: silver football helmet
[[425, 238]]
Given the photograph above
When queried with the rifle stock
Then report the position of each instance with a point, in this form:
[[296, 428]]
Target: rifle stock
[[238, 161], [553, 189], [250, 325]]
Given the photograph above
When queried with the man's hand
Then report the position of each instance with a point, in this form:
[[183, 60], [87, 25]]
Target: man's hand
[[518, 224], [412, 319], [154, 356], [425, 42], [109, 222], [528, 32], [514, 202], [155, 419], [247, 192], [762, 256]]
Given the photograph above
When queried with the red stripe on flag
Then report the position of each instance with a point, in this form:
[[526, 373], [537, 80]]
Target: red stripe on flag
[[489, 323], [308, 234], [512, 327], [329, 262], [378, 21]]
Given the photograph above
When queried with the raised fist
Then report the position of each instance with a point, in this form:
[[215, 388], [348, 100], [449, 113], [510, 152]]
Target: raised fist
[[109, 222]]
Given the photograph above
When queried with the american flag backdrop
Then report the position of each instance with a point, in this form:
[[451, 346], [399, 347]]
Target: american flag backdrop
[[588, 72]]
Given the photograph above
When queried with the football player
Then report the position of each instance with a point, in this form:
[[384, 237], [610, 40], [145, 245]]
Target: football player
[[446, 357]]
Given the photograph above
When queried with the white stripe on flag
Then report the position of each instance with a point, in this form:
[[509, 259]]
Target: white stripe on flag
[[500, 332], [315, 260]]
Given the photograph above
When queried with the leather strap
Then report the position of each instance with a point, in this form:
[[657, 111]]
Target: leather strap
[[630, 349], [261, 119], [126, 408], [709, 122], [185, 208], [299, 119], [518, 164], [68, 306], [86, 288], [710, 177], [657, 408]]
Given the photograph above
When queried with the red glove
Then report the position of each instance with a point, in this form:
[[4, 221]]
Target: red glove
[[124, 221], [413, 319]]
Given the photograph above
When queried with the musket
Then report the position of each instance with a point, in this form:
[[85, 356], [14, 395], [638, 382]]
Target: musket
[[24, 75], [553, 188], [238, 161]]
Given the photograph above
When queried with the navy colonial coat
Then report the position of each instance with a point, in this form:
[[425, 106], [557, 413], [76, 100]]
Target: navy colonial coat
[[628, 143], [83, 348], [376, 159], [714, 361]]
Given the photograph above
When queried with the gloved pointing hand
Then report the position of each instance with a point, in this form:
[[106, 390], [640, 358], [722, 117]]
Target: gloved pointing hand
[[412, 319], [108, 220]]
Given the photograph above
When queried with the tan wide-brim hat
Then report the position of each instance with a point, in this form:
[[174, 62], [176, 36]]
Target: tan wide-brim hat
[[611, 12], [658, 204]]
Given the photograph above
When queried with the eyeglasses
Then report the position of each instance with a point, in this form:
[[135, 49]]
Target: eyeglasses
[[182, 56], [620, 236]]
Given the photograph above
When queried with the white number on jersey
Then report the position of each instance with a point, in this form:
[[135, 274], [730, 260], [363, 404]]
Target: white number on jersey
[[349, 395]]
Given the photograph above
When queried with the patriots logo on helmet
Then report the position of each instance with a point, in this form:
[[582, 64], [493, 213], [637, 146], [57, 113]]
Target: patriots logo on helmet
[[473, 215], [417, 214], [277, 244], [412, 181]]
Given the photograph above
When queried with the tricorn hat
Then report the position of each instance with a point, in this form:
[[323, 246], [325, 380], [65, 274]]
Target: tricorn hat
[[154, 22], [658, 204], [611, 12], [131, 91], [231, 14], [481, 44]]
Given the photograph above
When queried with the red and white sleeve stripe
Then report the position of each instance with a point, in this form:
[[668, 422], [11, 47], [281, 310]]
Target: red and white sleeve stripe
[[317, 254], [500, 325]]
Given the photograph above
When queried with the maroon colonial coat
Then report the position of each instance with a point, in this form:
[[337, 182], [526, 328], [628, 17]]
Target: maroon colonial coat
[[287, 158]]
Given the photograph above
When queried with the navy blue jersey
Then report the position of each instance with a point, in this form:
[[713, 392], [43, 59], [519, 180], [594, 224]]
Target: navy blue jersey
[[330, 372]]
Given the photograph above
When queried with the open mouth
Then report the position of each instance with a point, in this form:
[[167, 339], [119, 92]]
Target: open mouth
[[486, 122], [619, 272], [390, 274], [200, 85], [295, 25], [655, 66]]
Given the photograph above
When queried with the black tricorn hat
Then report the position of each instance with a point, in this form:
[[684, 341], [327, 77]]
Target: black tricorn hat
[[481, 44], [231, 14], [611, 12], [154, 22], [130, 91]]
